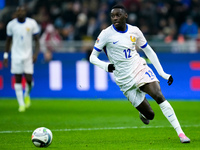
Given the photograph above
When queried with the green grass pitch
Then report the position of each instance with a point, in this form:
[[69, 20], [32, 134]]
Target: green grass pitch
[[97, 125]]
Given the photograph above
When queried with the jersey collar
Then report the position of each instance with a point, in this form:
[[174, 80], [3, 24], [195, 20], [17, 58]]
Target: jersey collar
[[21, 22], [121, 31]]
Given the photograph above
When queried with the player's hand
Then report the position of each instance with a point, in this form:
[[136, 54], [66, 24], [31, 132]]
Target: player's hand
[[170, 80], [111, 67], [5, 63]]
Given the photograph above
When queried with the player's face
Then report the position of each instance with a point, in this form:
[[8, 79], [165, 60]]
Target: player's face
[[118, 18], [21, 12]]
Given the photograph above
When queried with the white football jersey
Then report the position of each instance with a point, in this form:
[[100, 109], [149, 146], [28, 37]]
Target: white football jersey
[[22, 34], [120, 48]]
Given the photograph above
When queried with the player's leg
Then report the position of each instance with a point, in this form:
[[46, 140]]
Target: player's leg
[[19, 92], [17, 70], [154, 90], [28, 72], [146, 112], [138, 100], [29, 85]]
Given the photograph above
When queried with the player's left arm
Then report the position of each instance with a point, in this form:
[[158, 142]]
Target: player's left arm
[[101, 41], [37, 47], [154, 60]]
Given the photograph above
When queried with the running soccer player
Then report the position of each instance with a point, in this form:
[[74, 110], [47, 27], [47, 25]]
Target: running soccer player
[[20, 32], [131, 72]]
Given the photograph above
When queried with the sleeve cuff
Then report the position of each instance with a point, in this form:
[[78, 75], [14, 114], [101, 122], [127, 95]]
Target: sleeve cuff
[[99, 50], [144, 45]]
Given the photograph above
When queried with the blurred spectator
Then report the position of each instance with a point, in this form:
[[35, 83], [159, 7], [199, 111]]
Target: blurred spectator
[[2, 31], [188, 34], [42, 17], [189, 29], [68, 32], [180, 9], [91, 27], [132, 19], [50, 41], [132, 6], [70, 12], [82, 19], [171, 30], [55, 11], [195, 13], [148, 17], [81, 26]]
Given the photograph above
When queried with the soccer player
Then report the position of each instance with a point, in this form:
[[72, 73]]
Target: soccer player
[[131, 72], [20, 32]]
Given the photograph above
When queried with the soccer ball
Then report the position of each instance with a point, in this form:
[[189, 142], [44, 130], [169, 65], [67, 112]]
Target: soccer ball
[[42, 137]]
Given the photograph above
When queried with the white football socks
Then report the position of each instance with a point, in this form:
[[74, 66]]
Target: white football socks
[[171, 116], [19, 93]]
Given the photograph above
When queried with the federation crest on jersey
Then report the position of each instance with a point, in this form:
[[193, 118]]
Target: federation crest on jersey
[[133, 39], [27, 29]]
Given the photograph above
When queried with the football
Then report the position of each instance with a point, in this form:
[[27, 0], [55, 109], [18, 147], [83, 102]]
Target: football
[[42, 137]]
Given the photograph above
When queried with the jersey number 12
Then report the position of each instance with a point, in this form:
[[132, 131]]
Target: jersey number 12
[[127, 53]]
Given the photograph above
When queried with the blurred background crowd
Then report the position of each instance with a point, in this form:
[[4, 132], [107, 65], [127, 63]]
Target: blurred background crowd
[[73, 25]]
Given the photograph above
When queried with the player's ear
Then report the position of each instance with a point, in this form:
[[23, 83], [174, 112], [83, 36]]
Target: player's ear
[[126, 15]]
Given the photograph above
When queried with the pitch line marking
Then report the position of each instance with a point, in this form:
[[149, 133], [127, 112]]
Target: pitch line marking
[[105, 128]]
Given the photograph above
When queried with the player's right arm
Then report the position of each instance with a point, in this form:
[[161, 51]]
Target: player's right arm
[[96, 61], [7, 49], [8, 43], [100, 43]]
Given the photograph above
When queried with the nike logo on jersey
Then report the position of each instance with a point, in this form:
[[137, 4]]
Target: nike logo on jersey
[[115, 42]]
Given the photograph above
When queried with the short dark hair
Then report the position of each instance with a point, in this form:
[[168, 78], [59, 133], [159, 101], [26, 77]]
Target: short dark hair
[[120, 6], [21, 6]]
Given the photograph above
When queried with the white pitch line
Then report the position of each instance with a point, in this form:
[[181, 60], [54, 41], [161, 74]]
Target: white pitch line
[[105, 128]]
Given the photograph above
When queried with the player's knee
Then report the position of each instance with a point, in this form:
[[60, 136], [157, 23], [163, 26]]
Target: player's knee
[[28, 80], [159, 97], [150, 115]]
